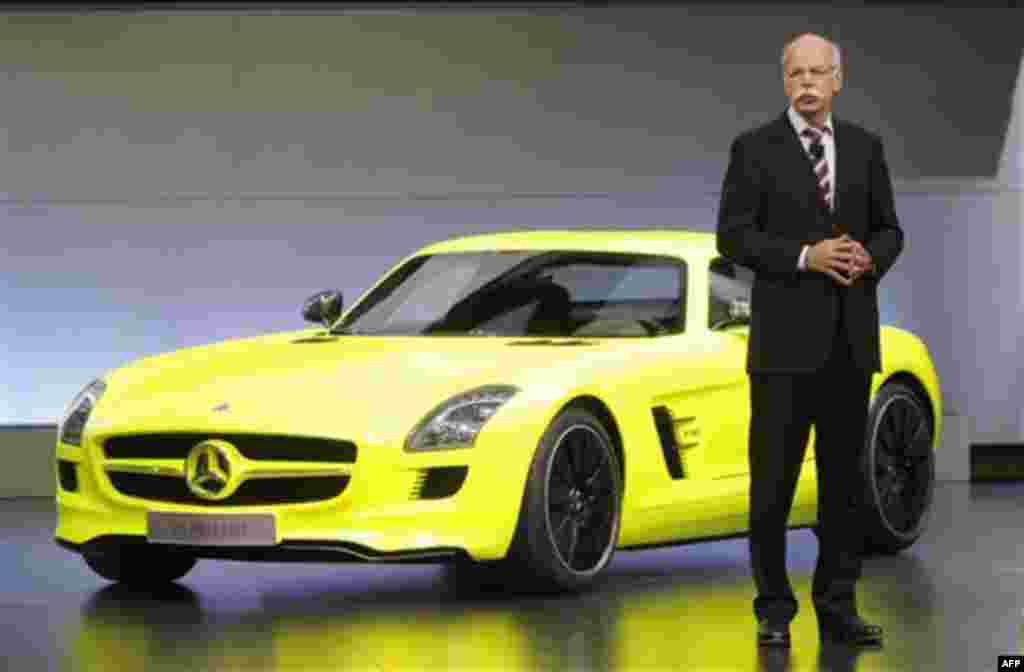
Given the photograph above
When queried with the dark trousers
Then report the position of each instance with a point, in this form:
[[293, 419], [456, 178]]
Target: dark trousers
[[783, 407]]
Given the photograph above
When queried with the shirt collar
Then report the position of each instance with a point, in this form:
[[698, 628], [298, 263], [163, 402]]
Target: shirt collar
[[799, 123]]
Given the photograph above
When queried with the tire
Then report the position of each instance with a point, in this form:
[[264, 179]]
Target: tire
[[899, 469], [570, 514], [140, 565]]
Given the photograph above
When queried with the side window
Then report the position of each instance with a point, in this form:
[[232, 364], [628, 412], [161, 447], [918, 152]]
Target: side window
[[730, 287]]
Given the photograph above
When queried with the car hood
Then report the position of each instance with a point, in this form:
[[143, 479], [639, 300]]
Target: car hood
[[301, 382]]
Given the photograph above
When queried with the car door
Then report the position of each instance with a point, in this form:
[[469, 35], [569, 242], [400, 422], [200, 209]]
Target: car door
[[710, 408], [729, 292], [709, 411]]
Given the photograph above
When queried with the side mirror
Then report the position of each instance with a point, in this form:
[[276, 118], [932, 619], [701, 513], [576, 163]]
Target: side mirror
[[323, 307]]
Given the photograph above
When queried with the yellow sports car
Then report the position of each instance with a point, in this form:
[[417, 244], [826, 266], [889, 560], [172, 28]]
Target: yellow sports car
[[532, 399]]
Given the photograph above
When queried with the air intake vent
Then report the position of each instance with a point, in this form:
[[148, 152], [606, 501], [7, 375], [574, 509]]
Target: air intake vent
[[252, 446], [439, 482]]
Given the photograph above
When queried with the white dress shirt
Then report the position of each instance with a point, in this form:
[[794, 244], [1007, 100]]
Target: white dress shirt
[[829, 142]]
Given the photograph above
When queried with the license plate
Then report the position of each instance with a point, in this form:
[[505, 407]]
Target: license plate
[[200, 529]]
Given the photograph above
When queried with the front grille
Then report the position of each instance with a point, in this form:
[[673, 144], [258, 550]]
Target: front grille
[[252, 446], [255, 492]]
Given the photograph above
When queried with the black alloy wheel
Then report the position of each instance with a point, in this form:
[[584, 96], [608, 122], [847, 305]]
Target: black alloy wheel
[[899, 469], [580, 508], [569, 520]]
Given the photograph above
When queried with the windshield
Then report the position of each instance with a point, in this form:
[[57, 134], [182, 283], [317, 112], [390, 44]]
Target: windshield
[[526, 293]]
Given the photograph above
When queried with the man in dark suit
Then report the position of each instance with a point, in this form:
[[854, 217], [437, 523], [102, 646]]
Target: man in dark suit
[[807, 204]]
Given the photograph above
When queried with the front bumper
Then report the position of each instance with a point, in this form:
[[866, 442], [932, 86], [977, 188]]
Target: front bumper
[[375, 519], [288, 551]]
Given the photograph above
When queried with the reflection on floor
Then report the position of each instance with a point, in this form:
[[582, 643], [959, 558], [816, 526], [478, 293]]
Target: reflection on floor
[[952, 602]]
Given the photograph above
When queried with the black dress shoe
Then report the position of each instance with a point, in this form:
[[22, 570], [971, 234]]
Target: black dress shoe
[[848, 630], [772, 634]]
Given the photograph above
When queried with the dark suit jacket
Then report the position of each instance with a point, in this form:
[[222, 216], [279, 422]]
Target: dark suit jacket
[[769, 210]]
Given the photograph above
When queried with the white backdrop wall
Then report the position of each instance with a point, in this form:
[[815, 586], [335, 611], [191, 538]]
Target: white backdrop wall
[[175, 179]]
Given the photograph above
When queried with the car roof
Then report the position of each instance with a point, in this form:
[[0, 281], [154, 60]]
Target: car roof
[[642, 241]]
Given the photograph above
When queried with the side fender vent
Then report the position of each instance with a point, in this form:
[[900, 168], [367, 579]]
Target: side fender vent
[[667, 436], [68, 473]]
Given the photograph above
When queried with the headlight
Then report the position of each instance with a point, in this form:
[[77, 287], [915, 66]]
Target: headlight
[[78, 411], [455, 423]]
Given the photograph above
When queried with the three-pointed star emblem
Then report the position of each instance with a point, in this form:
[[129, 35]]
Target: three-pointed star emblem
[[211, 469], [210, 474]]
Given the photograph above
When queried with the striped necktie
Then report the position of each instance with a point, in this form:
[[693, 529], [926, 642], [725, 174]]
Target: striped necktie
[[821, 171]]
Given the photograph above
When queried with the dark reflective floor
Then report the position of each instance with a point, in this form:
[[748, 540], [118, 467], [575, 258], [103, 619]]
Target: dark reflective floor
[[953, 602]]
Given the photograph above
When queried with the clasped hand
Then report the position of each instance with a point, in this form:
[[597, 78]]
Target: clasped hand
[[843, 259]]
